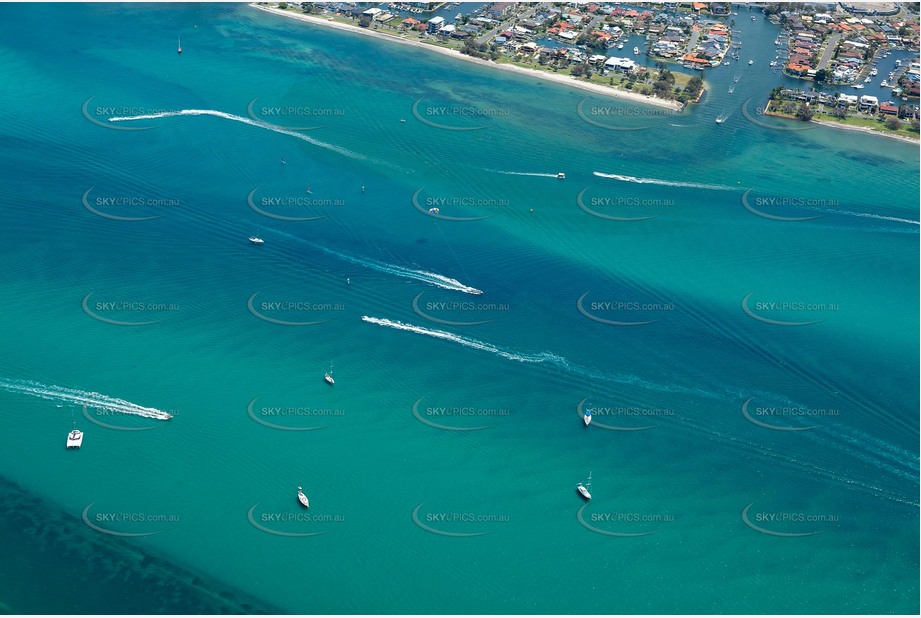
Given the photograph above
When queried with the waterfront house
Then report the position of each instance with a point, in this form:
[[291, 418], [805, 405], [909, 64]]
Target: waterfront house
[[889, 108], [867, 102], [435, 23], [624, 65]]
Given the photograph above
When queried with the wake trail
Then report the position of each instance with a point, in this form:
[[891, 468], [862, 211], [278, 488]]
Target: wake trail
[[665, 183], [78, 397]]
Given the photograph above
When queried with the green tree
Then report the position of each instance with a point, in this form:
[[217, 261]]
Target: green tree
[[892, 123], [821, 76], [804, 112], [695, 85], [364, 21], [282, 5]]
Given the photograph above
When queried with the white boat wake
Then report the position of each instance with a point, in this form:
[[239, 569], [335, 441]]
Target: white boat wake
[[543, 357], [78, 397], [540, 174], [424, 276], [665, 183], [255, 123]]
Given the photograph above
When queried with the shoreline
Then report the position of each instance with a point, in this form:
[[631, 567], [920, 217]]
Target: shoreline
[[564, 80], [837, 125]]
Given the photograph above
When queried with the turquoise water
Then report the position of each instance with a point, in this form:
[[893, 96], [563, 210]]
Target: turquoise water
[[514, 361]]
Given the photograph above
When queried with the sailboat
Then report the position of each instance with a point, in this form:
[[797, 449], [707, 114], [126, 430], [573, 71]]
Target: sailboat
[[584, 490], [301, 497], [179, 49], [329, 375]]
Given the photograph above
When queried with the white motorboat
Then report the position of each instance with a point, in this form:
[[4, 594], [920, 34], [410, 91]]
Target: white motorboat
[[587, 417], [561, 175], [256, 240], [301, 497]]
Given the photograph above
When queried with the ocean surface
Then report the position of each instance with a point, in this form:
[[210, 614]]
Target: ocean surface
[[737, 303]]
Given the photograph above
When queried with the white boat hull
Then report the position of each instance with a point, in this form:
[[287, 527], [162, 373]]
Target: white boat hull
[[75, 439]]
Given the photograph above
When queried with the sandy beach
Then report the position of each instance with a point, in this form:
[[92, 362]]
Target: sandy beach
[[838, 125], [564, 80]]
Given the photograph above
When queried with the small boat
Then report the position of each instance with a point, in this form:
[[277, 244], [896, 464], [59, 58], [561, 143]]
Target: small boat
[[584, 490], [620, 46], [75, 438], [256, 240], [858, 86], [753, 18], [329, 375], [301, 497], [636, 50], [587, 417], [874, 72], [561, 175], [179, 49], [884, 84], [751, 62], [732, 88], [434, 210], [735, 80]]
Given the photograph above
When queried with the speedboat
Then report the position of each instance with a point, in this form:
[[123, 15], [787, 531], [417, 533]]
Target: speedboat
[[434, 210], [751, 62], [858, 86], [302, 498], [620, 46], [329, 377], [636, 50], [561, 175], [256, 240], [74, 438], [587, 417]]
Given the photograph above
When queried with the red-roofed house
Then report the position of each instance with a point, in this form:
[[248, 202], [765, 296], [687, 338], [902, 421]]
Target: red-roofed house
[[888, 108]]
